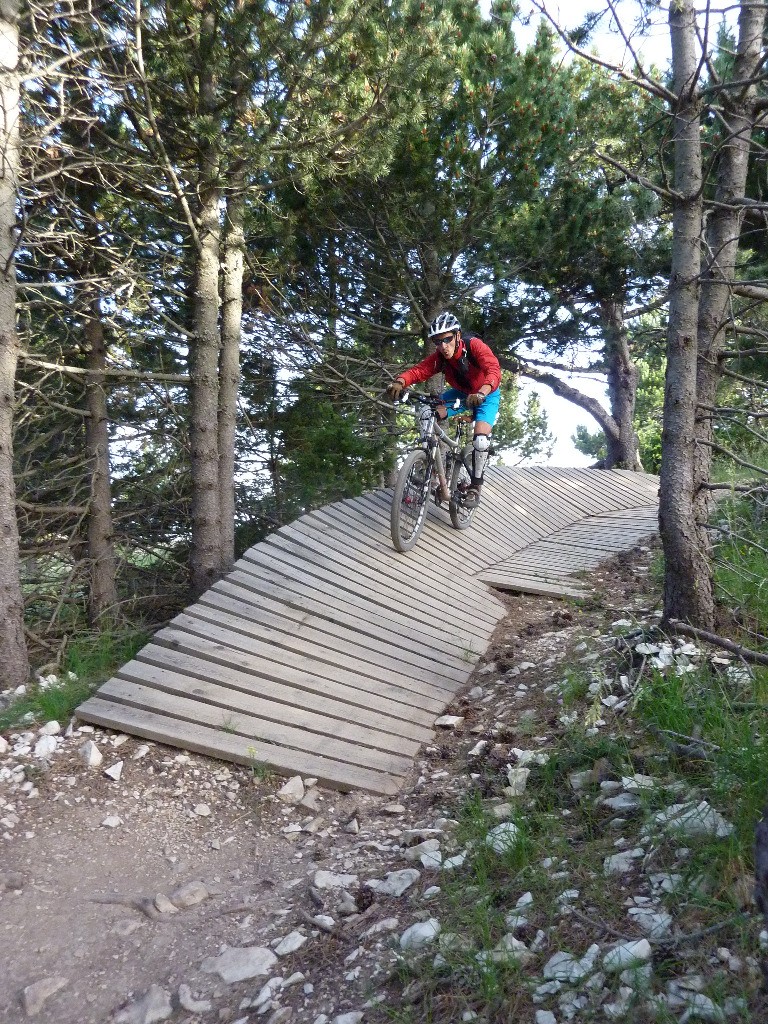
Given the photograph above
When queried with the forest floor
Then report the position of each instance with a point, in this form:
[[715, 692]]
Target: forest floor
[[188, 890]]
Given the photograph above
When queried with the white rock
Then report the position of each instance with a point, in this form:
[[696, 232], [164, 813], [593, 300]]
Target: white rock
[[115, 771], [140, 752], [478, 749], [164, 905], [518, 780], [239, 963], [267, 993], [525, 757], [415, 853], [393, 809], [694, 821], [188, 1002], [450, 863], [91, 754], [627, 954], [112, 821], [503, 837], [292, 792], [449, 721], [295, 979], [36, 994], [353, 1017], [51, 728], [646, 649], [701, 1007], [621, 863], [431, 860], [388, 924], [579, 781], [622, 803], [545, 1017], [154, 1005], [394, 884], [189, 894], [563, 966], [331, 880], [655, 924], [293, 941], [45, 746], [3, 745], [202, 810], [635, 783], [511, 950], [420, 934]]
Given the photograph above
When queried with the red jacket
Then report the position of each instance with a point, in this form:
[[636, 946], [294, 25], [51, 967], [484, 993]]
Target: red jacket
[[486, 372]]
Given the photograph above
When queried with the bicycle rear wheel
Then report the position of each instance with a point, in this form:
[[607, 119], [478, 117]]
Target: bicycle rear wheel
[[460, 517], [410, 501]]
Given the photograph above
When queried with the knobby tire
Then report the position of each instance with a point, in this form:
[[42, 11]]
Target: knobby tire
[[460, 517], [410, 500]]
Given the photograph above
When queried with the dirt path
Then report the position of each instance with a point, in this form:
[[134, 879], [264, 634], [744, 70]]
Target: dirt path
[[93, 869]]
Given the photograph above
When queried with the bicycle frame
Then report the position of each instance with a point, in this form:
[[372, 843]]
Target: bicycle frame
[[432, 435]]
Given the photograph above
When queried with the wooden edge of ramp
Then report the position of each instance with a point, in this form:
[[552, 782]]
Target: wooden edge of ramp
[[322, 654]]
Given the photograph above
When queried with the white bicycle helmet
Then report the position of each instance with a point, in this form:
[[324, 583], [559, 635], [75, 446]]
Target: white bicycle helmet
[[442, 323]]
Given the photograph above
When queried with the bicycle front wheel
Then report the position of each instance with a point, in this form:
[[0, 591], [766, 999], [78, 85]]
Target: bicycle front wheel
[[460, 517], [410, 500]]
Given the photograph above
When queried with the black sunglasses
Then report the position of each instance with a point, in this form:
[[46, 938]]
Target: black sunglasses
[[444, 341]]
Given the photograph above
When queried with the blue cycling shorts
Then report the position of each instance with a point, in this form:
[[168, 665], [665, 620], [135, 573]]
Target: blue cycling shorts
[[488, 412]]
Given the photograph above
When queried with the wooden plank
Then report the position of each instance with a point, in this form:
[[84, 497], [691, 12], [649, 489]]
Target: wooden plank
[[328, 619], [325, 650], [469, 547], [374, 555], [215, 743], [214, 683], [583, 490], [260, 620], [344, 580], [358, 614], [328, 546], [322, 662], [528, 586], [269, 730], [174, 648]]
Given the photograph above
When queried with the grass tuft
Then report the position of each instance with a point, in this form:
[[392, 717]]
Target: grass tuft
[[89, 660]]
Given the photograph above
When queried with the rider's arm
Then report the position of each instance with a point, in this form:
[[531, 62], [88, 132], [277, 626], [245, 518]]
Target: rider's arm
[[421, 371], [488, 364]]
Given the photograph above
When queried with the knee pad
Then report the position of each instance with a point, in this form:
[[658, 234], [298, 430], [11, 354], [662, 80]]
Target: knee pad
[[480, 446]]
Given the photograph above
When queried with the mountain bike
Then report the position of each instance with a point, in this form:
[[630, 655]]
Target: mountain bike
[[434, 470]]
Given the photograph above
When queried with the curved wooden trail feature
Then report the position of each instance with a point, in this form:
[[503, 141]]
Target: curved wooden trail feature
[[326, 653]]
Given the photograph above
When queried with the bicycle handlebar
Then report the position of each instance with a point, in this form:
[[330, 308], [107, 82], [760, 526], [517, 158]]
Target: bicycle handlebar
[[431, 400]]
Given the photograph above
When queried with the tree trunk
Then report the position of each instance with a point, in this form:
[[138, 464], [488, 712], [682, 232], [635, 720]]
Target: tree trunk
[[101, 553], [722, 243], [229, 369], [13, 650], [687, 590], [205, 552], [622, 444]]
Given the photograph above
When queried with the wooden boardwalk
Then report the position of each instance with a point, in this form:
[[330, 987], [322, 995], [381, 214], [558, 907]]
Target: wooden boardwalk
[[326, 653]]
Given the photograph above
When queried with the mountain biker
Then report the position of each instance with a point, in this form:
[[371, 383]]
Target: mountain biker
[[474, 375]]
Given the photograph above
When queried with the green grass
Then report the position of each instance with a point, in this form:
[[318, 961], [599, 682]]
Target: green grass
[[733, 725], [88, 661], [741, 563]]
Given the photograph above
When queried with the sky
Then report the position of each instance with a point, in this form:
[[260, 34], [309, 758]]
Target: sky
[[564, 417]]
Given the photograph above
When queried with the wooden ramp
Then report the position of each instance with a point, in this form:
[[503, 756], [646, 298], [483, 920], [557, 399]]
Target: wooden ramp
[[326, 653]]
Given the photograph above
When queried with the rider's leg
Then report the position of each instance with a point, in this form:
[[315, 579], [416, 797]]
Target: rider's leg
[[485, 417]]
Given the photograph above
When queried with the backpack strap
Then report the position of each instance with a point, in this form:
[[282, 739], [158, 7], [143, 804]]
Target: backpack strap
[[460, 369]]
